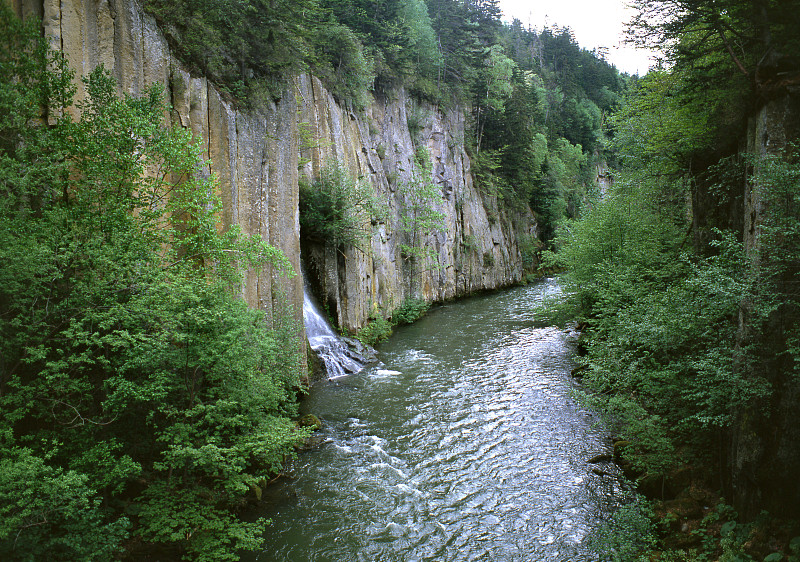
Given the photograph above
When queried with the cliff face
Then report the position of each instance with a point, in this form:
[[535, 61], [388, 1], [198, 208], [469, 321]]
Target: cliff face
[[764, 451], [479, 247], [252, 154], [255, 154]]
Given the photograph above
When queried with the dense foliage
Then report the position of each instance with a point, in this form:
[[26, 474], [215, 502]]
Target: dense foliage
[[379, 328], [686, 272], [538, 105], [141, 400]]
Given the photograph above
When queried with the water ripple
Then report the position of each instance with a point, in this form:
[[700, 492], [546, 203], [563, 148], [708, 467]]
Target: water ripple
[[466, 445]]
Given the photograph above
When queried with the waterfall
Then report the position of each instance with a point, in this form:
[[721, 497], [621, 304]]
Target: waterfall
[[340, 356]]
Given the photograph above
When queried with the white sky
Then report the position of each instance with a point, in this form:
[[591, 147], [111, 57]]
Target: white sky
[[596, 23]]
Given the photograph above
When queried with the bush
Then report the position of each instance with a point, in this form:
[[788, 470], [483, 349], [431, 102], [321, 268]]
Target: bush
[[409, 311], [628, 536], [379, 329], [422, 157], [50, 513], [132, 377], [415, 119], [470, 243], [376, 330], [662, 362], [337, 209]]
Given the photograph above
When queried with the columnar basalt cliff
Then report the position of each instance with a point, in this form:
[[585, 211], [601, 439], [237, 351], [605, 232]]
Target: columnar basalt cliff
[[479, 247], [256, 155], [253, 154]]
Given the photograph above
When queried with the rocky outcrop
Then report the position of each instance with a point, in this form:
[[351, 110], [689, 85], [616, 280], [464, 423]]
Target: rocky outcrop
[[252, 153], [255, 154]]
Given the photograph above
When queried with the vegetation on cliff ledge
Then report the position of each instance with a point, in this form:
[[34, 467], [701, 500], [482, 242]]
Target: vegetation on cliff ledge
[[537, 103]]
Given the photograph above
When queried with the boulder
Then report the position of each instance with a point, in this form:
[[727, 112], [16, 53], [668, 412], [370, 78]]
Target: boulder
[[604, 457], [310, 420]]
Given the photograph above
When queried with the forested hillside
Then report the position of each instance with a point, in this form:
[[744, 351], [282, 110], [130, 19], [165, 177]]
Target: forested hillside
[[686, 275], [140, 398]]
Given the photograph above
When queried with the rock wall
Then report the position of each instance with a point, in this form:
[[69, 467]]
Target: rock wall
[[479, 248], [256, 153], [252, 153], [764, 451]]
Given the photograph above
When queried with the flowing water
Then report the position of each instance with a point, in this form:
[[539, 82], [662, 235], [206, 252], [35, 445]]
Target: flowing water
[[464, 445], [340, 356]]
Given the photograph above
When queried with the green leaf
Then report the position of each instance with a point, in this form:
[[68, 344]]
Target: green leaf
[[728, 528]]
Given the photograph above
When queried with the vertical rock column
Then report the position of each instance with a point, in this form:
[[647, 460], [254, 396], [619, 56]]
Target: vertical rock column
[[253, 154], [765, 440]]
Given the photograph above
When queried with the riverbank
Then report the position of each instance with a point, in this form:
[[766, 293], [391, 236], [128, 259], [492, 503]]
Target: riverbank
[[687, 516]]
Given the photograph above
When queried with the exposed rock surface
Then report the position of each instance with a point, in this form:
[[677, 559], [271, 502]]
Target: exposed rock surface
[[479, 248], [764, 453], [255, 154], [252, 153]]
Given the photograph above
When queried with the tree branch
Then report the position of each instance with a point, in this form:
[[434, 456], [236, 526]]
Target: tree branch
[[728, 47]]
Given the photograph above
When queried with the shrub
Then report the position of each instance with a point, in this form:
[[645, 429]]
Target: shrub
[[139, 394], [627, 536], [470, 243], [422, 157], [338, 209], [409, 311], [415, 119], [376, 330]]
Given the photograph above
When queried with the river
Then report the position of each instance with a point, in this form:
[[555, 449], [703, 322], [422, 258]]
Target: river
[[465, 445]]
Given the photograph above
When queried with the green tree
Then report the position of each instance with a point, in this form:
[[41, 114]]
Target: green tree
[[338, 209], [662, 361], [492, 89], [459, 45], [131, 378], [382, 27], [242, 45], [692, 345], [423, 48], [343, 64], [753, 36], [419, 219]]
